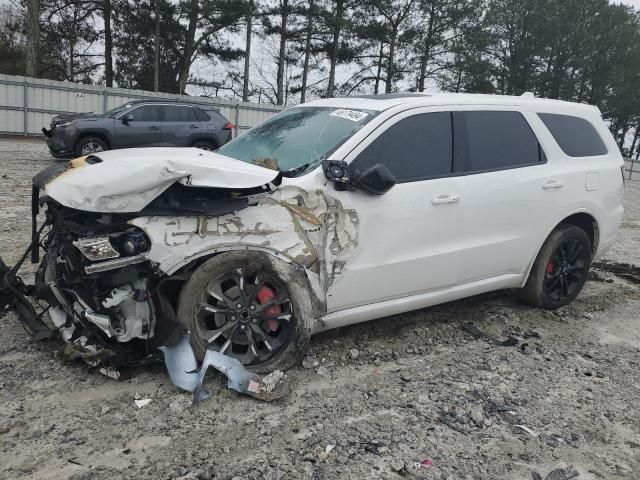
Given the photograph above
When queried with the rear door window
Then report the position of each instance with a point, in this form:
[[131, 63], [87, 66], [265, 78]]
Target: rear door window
[[147, 113], [175, 113], [576, 136], [415, 148], [494, 140]]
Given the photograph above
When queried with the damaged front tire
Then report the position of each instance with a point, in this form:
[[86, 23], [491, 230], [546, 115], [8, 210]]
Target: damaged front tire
[[248, 305]]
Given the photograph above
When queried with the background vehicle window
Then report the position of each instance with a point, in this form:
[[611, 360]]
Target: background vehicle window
[[202, 115], [497, 140], [179, 114], [147, 113], [576, 136], [414, 148]]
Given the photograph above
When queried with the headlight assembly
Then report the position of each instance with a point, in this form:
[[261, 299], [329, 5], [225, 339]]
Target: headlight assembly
[[96, 248]]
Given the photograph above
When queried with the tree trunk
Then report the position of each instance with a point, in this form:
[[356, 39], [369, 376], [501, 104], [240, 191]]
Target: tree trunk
[[247, 54], [376, 88], [33, 37], [188, 45], [335, 47], [281, 54], [156, 50], [307, 52], [108, 57], [426, 56], [390, 65]]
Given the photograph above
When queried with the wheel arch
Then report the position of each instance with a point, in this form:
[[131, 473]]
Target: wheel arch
[[580, 218], [210, 140], [101, 135], [279, 260]]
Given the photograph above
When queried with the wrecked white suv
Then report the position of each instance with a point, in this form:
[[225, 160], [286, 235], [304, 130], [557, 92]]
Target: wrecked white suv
[[327, 214]]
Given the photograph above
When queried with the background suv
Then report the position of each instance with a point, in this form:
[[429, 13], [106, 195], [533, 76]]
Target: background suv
[[144, 123]]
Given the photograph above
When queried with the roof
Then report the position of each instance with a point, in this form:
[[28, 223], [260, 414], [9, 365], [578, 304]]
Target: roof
[[387, 101]]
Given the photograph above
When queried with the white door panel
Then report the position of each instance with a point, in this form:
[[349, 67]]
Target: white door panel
[[406, 245]]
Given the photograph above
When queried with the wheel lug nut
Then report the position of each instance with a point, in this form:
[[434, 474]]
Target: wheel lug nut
[[255, 320], [241, 327], [233, 317], [252, 307], [239, 305]]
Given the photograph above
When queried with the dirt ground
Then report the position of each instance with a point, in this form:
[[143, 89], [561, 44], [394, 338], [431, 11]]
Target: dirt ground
[[373, 400]]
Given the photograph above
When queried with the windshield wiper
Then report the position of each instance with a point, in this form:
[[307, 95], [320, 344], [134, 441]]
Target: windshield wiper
[[294, 172]]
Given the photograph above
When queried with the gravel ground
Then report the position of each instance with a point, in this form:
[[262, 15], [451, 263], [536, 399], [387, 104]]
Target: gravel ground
[[368, 402]]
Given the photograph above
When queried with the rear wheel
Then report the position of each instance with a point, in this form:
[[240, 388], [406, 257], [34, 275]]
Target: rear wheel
[[89, 145], [237, 303], [560, 270], [204, 145]]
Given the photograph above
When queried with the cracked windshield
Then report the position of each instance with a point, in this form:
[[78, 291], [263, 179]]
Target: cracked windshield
[[297, 139]]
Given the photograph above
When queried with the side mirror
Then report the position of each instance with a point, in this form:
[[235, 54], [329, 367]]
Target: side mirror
[[376, 179], [127, 118]]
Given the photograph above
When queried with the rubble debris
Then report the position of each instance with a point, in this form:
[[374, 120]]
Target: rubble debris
[[425, 463], [562, 474], [373, 446], [185, 374], [476, 332], [526, 429], [104, 410], [143, 402], [329, 448], [626, 271]]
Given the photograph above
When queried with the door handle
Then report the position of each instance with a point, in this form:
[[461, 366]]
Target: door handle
[[446, 198], [553, 184], [194, 126], [154, 128]]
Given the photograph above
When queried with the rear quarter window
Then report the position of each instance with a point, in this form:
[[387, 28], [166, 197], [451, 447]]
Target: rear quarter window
[[576, 136]]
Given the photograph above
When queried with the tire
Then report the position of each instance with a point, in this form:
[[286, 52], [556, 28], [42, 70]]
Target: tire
[[89, 145], [233, 328], [560, 269], [205, 145]]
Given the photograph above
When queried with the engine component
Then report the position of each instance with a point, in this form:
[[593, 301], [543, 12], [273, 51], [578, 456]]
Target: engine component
[[131, 312]]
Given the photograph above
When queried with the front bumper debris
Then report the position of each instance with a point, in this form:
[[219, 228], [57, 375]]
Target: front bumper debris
[[184, 373]]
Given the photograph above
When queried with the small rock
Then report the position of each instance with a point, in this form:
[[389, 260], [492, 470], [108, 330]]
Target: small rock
[[176, 407], [397, 465], [183, 471], [377, 362], [354, 353], [309, 362], [104, 410], [322, 371], [477, 416]]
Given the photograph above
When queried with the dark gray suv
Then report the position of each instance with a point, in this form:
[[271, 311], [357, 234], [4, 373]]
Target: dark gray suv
[[143, 123]]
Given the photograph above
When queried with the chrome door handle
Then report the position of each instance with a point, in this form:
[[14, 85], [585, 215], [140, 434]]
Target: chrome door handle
[[194, 126], [446, 198], [553, 184], [154, 128]]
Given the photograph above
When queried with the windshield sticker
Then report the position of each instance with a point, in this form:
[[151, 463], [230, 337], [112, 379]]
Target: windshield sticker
[[353, 115]]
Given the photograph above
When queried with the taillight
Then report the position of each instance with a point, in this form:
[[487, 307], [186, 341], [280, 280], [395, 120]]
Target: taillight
[[228, 126]]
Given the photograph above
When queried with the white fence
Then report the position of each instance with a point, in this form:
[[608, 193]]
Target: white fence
[[27, 104]]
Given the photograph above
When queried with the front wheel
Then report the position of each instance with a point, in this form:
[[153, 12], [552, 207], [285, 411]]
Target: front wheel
[[560, 270], [246, 306], [89, 145]]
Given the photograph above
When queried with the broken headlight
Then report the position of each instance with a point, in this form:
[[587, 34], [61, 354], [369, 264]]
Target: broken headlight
[[96, 248], [125, 244]]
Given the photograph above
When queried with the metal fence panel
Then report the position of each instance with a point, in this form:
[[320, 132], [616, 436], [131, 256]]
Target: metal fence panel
[[27, 104]]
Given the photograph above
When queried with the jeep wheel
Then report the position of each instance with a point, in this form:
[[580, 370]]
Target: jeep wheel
[[560, 270], [249, 306], [89, 145]]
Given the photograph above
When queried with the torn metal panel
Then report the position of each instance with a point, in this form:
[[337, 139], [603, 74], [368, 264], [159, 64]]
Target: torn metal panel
[[309, 228], [185, 374], [127, 180]]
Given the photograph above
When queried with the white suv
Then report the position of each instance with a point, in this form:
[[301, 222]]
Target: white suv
[[327, 214]]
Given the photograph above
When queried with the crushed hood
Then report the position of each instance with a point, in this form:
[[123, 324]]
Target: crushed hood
[[126, 181]]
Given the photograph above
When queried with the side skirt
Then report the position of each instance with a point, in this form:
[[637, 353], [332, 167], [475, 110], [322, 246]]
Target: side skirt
[[376, 310]]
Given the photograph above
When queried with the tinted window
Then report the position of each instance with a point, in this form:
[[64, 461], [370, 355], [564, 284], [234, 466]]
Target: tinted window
[[147, 113], [179, 114], [495, 140], [202, 116], [576, 136], [414, 148]]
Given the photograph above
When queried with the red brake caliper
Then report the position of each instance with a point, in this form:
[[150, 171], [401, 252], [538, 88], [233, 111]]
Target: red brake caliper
[[550, 267], [264, 295]]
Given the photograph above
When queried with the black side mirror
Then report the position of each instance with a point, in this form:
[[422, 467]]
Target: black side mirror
[[377, 179], [127, 118]]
